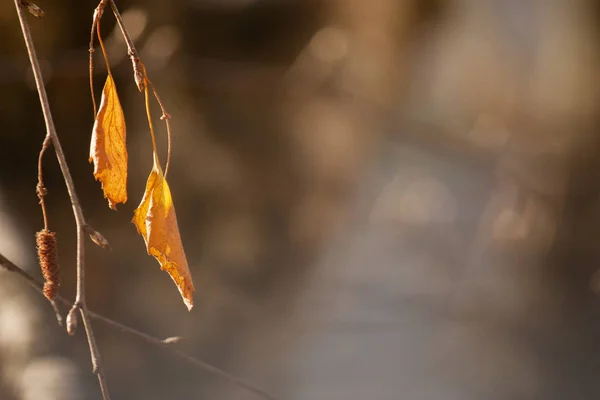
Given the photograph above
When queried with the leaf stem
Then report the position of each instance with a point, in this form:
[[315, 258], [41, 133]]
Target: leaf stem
[[102, 46], [166, 117], [91, 50], [80, 302], [142, 81], [147, 100]]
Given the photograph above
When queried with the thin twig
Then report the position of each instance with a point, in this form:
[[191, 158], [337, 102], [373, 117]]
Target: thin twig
[[138, 69], [40, 188], [193, 360], [80, 302], [164, 343], [11, 267]]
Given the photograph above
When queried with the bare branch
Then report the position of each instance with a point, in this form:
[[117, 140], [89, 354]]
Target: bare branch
[[83, 228], [80, 302], [167, 343]]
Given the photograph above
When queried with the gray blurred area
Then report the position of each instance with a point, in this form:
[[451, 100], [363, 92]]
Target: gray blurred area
[[379, 200]]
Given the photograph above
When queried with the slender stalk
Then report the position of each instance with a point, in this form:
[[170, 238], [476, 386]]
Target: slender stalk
[[40, 189], [91, 59], [164, 117], [80, 302], [138, 70], [164, 343]]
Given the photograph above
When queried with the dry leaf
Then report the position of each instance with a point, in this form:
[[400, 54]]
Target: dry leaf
[[107, 150], [156, 221]]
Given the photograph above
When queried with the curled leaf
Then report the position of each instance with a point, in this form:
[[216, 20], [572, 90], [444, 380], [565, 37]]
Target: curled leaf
[[107, 149], [156, 221]]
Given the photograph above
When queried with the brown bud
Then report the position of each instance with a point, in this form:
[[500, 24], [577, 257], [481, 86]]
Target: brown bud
[[72, 321], [97, 237]]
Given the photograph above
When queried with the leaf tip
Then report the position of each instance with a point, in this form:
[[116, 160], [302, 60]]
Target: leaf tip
[[189, 303], [113, 201]]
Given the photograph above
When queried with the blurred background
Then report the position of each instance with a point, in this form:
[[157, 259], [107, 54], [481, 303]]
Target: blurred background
[[385, 199]]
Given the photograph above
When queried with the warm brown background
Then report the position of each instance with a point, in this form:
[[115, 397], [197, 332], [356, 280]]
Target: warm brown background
[[379, 199]]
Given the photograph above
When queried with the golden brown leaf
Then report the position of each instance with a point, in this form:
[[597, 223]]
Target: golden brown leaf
[[156, 221], [107, 150]]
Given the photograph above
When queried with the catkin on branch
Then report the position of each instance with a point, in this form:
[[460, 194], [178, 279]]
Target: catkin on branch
[[47, 254]]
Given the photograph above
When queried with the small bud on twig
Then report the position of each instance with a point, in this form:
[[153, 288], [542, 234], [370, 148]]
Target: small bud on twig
[[97, 237], [173, 340], [72, 320], [32, 8]]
